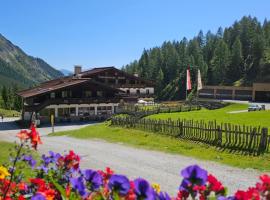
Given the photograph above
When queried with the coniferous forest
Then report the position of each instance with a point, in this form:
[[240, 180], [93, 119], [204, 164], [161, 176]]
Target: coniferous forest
[[236, 55]]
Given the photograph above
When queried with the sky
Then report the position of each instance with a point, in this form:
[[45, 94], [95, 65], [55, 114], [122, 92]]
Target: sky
[[97, 33]]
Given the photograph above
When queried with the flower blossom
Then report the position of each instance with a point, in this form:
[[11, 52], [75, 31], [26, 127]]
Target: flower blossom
[[3, 172], [119, 184]]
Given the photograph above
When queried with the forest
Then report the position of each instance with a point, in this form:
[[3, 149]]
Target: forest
[[237, 55]]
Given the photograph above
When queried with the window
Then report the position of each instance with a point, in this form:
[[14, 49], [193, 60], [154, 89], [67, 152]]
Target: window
[[99, 93], [72, 111], [52, 95], [138, 91], [88, 93], [128, 91], [64, 94]]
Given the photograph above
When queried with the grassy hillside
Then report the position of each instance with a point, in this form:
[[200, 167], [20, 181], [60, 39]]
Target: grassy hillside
[[9, 113], [258, 118]]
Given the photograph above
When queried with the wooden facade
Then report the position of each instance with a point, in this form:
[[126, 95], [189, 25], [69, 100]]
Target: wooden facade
[[89, 95]]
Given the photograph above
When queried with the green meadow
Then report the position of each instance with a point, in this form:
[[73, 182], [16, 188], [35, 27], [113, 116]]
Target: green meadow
[[152, 141], [223, 115]]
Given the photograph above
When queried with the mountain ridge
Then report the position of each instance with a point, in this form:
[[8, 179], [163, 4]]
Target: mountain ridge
[[17, 67]]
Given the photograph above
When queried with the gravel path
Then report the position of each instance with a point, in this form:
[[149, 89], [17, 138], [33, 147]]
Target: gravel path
[[155, 166]]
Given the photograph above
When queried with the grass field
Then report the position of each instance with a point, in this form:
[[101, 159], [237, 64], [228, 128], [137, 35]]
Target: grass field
[[5, 149], [258, 118], [9, 113], [153, 141]]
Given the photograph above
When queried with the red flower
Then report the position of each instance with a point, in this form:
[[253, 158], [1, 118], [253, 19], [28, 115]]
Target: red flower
[[68, 190], [21, 197], [38, 181], [106, 174], [33, 135], [22, 186], [131, 194], [199, 188], [23, 135], [250, 194], [214, 184], [265, 181], [72, 160], [182, 195]]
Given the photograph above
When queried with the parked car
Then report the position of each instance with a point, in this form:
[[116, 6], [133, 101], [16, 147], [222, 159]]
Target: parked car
[[254, 107]]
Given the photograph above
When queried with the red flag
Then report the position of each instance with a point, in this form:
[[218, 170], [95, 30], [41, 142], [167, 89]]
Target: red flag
[[188, 80]]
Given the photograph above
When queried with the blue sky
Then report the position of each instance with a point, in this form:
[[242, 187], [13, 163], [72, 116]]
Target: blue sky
[[104, 33]]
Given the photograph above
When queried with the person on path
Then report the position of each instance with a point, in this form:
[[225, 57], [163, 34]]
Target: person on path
[[2, 116]]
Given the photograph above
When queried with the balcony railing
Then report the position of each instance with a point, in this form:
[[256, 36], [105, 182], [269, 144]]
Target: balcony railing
[[41, 105]]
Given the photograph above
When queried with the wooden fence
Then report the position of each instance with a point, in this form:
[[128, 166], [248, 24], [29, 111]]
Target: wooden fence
[[140, 113], [246, 139]]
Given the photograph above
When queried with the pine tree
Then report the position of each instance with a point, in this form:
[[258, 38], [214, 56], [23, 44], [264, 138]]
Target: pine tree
[[235, 69], [4, 94], [220, 62]]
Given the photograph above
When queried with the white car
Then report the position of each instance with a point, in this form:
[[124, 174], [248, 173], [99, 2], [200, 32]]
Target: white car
[[254, 107]]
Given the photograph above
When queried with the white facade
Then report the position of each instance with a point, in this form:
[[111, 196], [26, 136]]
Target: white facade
[[133, 91], [78, 106]]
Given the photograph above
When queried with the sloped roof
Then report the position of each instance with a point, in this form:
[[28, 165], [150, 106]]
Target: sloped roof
[[59, 84], [66, 81], [51, 86], [103, 69]]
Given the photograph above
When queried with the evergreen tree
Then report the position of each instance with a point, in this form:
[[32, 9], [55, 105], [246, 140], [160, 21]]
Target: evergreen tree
[[4, 94], [235, 69], [220, 62], [239, 54]]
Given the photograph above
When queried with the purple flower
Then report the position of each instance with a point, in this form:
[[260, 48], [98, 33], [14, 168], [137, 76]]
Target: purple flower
[[226, 198], [54, 156], [119, 183], [93, 178], [29, 159], [143, 190], [195, 174], [185, 185], [38, 197], [163, 196], [78, 184], [43, 168], [46, 160]]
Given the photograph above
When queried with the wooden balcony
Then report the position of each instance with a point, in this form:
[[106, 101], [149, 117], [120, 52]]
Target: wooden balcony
[[68, 101]]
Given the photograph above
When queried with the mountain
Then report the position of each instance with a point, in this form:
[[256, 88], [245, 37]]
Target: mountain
[[235, 55], [16, 67], [66, 72]]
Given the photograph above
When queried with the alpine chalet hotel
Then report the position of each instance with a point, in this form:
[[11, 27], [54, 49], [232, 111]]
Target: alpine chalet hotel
[[92, 94]]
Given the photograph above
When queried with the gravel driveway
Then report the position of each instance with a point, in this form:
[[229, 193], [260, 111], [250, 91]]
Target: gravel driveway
[[158, 167]]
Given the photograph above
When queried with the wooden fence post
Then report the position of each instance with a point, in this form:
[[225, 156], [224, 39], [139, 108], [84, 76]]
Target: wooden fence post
[[252, 134], [219, 139], [263, 141]]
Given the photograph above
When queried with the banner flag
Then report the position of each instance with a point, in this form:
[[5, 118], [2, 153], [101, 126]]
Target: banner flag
[[188, 80], [199, 84]]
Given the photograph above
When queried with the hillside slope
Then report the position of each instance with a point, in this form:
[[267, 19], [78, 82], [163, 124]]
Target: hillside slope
[[236, 55], [16, 67]]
